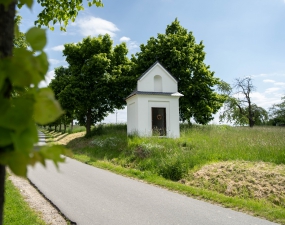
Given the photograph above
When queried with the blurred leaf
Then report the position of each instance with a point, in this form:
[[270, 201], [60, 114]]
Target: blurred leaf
[[24, 141], [36, 38], [41, 63], [23, 69], [29, 3], [54, 153], [17, 161], [5, 137], [46, 107], [18, 115]]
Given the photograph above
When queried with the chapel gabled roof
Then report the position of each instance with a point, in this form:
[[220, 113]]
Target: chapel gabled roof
[[153, 65]]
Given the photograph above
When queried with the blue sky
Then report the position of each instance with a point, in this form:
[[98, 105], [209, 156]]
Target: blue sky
[[241, 38]]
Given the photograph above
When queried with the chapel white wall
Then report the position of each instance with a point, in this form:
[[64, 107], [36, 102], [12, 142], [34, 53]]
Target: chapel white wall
[[146, 102], [146, 83]]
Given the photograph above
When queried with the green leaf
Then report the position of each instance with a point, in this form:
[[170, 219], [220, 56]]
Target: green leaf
[[19, 114], [5, 137], [4, 105], [24, 141], [25, 69], [46, 107], [5, 2], [41, 63], [29, 3], [37, 38], [54, 153], [17, 161]]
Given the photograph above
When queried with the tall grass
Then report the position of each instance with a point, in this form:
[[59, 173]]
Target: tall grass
[[198, 145]]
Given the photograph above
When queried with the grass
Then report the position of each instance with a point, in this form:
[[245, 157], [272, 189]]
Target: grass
[[217, 163], [76, 129], [16, 210]]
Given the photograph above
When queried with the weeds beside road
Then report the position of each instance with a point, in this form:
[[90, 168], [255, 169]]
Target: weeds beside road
[[239, 167]]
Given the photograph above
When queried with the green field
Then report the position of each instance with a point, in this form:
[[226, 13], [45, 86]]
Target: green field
[[239, 167]]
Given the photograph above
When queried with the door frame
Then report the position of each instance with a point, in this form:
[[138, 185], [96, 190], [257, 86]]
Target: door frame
[[164, 118]]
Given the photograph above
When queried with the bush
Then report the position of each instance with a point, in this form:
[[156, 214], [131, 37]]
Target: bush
[[173, 168]]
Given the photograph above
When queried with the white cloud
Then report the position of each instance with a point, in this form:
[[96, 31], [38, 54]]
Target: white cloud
[[280, 83], [58, 48], [260, 75], [268, 81], [49, 76], [124, 39], [271, 90], [94, 26], [53, 61], [132, 45], [265, 100]]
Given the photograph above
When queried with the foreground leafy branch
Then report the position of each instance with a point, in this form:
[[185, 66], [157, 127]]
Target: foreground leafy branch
[[22, 102]]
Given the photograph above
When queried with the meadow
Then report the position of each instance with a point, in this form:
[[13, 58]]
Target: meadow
[[239, 167]]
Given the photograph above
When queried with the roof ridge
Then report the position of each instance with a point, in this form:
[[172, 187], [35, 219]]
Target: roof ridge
[[156, 62]]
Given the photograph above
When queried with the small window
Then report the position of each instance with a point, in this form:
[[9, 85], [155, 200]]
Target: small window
[[157, 83]]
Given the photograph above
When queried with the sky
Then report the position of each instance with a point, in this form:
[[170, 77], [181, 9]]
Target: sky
[[241, 38]]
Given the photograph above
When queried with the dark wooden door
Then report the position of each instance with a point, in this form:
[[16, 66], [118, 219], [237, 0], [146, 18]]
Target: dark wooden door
[[158, 121]]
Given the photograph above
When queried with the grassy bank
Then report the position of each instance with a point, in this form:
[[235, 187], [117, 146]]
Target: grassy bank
[[16, 210], [239, 167]]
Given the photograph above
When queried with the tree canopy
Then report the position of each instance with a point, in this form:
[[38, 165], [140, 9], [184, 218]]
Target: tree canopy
[[178, 52], [100, 78]]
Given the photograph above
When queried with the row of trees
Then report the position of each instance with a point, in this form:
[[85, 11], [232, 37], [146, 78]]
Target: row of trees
[[100, 76]]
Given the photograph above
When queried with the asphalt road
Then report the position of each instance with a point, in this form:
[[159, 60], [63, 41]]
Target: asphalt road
[[88, 195]]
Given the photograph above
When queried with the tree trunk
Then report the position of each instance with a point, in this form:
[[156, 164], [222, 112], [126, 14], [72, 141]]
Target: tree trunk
[[7, 16], [88, 123], [250, 115], [64, 127], [60, 127], [71, 125], [251, 121]]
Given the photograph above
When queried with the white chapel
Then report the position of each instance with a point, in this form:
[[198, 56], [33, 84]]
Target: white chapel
[[153, 108]]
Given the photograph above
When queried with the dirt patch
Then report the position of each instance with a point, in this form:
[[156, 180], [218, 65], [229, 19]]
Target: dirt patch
[[64, 140], [37, 202], [258, 180]]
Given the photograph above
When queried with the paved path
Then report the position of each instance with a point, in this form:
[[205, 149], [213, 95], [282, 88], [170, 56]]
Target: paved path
[[88, 195], [42, 140]]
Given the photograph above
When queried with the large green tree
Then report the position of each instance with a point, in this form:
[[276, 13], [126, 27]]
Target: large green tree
[[20, 70], [239, 108], [184, 59], [100, 78]]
